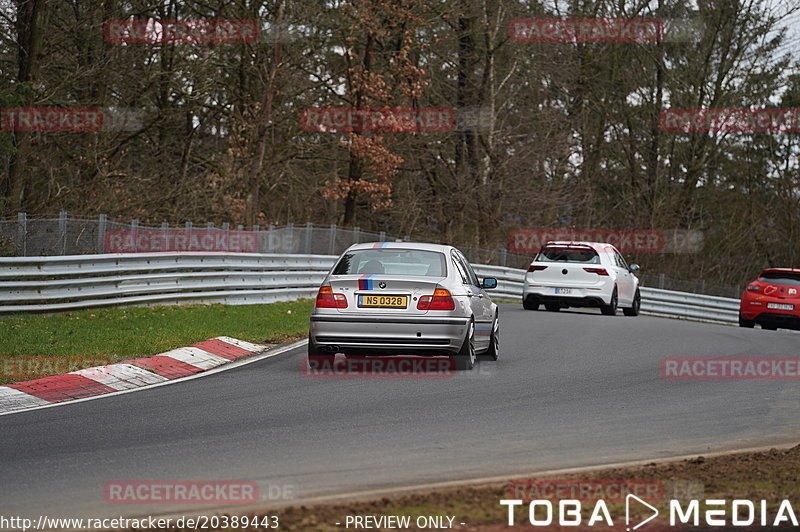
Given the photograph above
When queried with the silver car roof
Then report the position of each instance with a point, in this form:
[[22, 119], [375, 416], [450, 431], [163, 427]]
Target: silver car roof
[[423, 246]]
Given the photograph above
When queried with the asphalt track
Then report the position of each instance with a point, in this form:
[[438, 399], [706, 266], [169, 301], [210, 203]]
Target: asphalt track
[[570, 389]]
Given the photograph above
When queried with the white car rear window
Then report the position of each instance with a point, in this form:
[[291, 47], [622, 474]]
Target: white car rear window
[[568, 254]]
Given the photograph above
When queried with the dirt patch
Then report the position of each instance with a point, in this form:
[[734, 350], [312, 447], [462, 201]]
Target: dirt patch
[[772, 475]]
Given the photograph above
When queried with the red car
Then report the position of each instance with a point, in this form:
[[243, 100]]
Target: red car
[[772, 300]]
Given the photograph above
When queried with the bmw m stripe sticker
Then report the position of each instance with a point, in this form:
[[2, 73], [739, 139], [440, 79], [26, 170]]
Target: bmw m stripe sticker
[[380, 244], [365, 283]]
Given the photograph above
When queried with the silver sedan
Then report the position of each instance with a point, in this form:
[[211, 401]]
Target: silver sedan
[[390, 298]]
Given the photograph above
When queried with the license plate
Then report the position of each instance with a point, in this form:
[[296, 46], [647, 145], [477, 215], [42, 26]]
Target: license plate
[[370, 301], [780, 306], [563, 290]]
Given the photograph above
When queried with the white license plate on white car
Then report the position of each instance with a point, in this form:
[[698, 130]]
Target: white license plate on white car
[[780, 306], [565, 291]]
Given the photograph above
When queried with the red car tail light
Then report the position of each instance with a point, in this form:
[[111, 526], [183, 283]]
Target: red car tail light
[[327, 299], [598, 271], [440, 300], [533, 268]]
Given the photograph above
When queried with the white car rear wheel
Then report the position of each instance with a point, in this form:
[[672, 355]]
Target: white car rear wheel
[[611, 308], [635, 306]]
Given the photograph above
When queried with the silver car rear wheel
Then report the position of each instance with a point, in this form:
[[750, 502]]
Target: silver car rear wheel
[[317, 358], [494, 340], [465, 359]]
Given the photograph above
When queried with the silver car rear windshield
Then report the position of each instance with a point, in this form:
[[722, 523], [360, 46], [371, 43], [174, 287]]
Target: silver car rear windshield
[[570, 254], [392, 262], [784, 279]]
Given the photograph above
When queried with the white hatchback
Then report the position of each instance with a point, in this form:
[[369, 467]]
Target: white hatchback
[[581, 274]]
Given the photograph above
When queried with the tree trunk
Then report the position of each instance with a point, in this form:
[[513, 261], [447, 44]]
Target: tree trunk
[[355, 166], [264, 122], [29, 43]]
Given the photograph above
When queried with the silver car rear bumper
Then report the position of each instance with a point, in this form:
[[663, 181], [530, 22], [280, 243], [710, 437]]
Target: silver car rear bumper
[[389, 334]]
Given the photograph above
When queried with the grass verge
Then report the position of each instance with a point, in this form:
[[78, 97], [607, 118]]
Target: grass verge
[[111, 335]]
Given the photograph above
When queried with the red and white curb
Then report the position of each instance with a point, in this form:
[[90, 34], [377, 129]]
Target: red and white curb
[[125, 375]]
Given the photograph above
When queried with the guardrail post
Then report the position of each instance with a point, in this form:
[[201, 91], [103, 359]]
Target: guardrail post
[[309, 232], [261, 247], [332, 239], [356, 235], [165, 234], [102, 221], [290, 239], [22, 233], [503, 256], [188, 228], [661, 281], [62, 231], [270, 238], [135, 230], [382, 236]]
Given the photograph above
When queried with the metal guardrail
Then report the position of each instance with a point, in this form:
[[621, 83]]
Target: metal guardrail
[[68, 234], [54, 284], [688, 306]]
